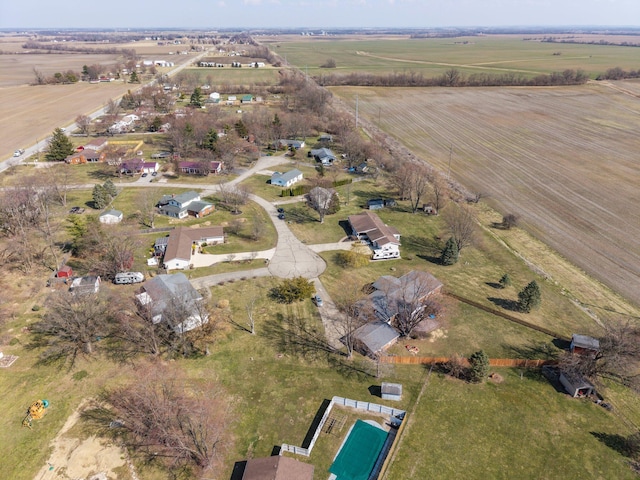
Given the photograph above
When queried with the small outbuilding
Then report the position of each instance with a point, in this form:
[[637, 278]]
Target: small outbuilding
[[391, 391], [111, 216], [64, 272], [277, 468], [374, 337], [584, 345], [576, 385]]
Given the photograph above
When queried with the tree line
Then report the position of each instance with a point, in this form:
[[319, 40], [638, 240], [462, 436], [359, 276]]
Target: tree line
[[453, 78]]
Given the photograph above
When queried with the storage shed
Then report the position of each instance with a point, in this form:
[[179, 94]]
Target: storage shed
[[391, 391], [576, 385], [64, 272]]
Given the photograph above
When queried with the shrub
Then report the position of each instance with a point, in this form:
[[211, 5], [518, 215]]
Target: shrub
[[351, 259], [35, 308], [450, 252], [80, 375], [293, 289], [529, 297], [505, 281]]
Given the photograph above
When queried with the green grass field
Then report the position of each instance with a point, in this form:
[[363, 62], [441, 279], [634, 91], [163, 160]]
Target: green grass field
[[234, 76], [433, 56]]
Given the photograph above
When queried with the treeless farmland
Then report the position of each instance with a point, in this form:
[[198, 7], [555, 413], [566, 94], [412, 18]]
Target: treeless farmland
[[564, 159], [31, 113]]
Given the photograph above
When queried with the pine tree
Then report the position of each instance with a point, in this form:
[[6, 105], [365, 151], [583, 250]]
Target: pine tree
[[505, 281], [156, 124], [241, 129], [110, 188], [196, 98], [529, 298], [479, 362], [60, 147], [450, 252], [211, 140], [100, 197], [133, 78]]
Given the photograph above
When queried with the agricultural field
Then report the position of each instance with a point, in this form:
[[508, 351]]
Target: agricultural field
[[431, 57], [227, 76], [562, 158]]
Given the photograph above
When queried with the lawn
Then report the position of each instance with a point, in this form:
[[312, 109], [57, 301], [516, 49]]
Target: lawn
[[520, 428], [228, 77]]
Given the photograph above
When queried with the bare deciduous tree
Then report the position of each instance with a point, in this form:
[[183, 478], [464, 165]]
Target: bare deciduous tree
[[84, 123], [420, 176], [166, 419], [71, 326], [320, 199], [439, 190], [462, 225]]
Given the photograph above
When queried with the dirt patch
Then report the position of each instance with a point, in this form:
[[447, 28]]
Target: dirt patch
[[74, 458], [496, 378]]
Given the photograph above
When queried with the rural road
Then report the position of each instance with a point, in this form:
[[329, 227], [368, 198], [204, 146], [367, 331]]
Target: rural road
[[42, 144]]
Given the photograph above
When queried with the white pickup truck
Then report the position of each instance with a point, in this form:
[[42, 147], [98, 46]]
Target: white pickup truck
[[18, 152]]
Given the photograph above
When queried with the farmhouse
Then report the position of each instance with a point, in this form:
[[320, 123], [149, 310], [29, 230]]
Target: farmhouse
[[296, 144], [323, 155], [383, 240], [165, 295], [111, 216], [183, 242], [184, 204], [137, 166], [286, 179], [200, 168], [84, 156], [96, 144], [392, 295]]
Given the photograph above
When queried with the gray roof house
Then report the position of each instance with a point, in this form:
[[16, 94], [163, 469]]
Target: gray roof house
[[323, 155], [297, 144], [180, 206], [374, 337], [286, 179], [166, 294]]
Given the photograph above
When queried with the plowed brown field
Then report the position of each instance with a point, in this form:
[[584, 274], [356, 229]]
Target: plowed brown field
[[565, 159]]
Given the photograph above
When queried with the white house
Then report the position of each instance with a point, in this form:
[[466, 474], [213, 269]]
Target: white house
[[381, 238], [174, 293], [180, 206], [111, 216], [183, 242], [286, 179]]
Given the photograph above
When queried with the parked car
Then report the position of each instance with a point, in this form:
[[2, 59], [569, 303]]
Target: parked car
[[153, 174], [281, 210], [281, 216], [18, 152], [161, 155], [76, 210], [317, 299], [144, 174]]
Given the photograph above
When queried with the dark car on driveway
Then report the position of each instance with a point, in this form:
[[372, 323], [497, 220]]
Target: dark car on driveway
[[281, 216], [144, 174], [281, 210], [317, 299]]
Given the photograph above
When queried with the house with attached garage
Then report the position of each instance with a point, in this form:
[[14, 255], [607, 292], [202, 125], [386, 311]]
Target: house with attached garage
[[288, 143], [182, 243], [286, 179], [383, 240], [137, 166], [200, 168], [184, 204], [173, 300], [85, 156], [373, 338], [96, 144]]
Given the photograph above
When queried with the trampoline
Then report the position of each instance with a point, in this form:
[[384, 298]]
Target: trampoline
[[359, 452]]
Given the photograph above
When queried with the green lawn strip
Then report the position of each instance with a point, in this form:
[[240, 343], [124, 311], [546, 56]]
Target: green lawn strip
[[521, 428]]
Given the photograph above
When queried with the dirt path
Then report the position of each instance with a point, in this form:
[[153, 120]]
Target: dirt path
[[74, 458]]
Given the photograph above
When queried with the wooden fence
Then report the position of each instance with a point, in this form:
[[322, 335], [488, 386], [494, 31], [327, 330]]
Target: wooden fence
[[494, 362], [511, 318]]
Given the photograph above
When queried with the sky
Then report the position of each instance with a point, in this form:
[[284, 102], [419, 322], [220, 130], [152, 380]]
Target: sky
[[324, 14]]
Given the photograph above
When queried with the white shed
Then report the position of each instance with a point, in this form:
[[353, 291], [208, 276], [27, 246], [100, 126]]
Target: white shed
[[111, 216]]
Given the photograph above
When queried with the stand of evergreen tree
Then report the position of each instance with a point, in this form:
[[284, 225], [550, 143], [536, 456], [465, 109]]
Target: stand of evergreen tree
[[60, 147], [479, 366], [196, 98], [450, 253], [529, 298]]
